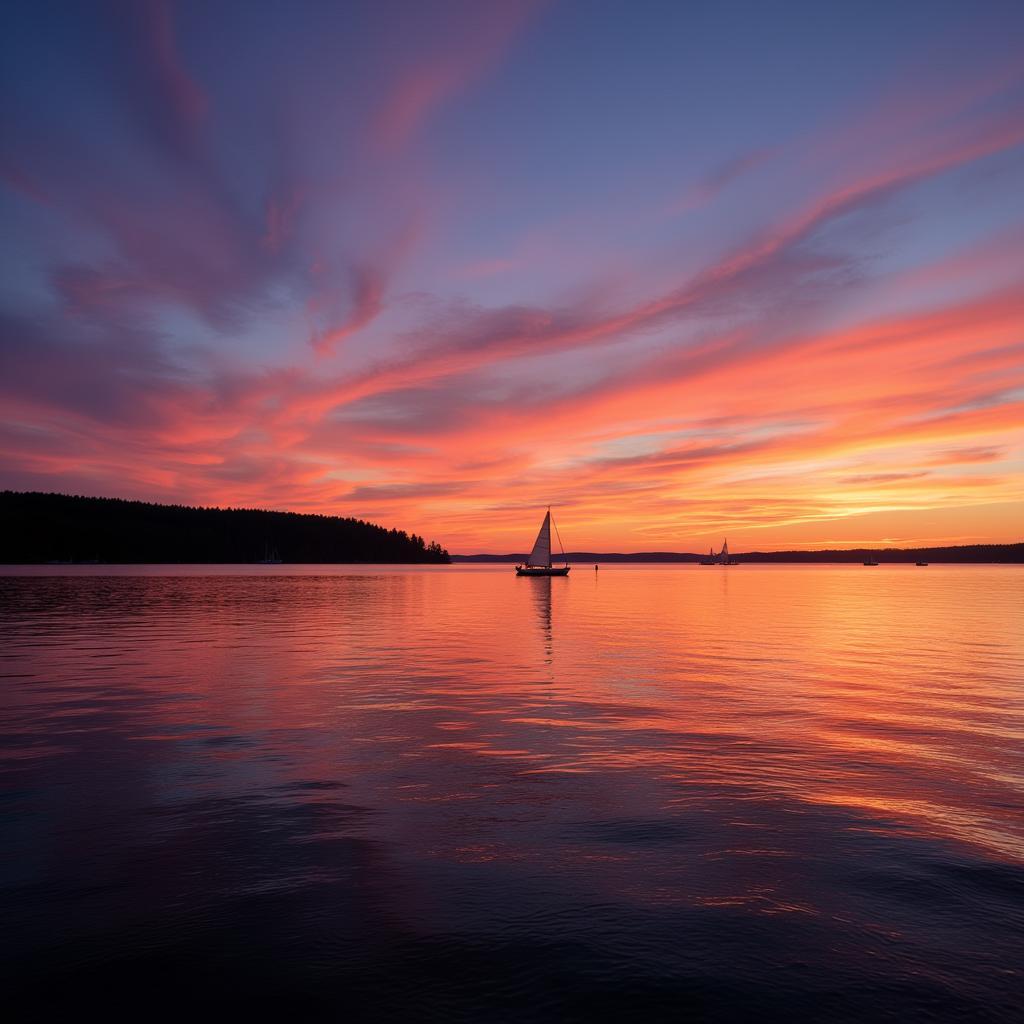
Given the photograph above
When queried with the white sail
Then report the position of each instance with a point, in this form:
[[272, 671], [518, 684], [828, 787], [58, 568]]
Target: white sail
[[541, 553]]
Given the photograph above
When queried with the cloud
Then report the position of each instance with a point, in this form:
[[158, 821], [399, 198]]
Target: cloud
[[367, 293], [168, 101], [400, 492], [712, 184], [882, 478], [766, 268], [122, 380], [419, 91], [959, 456]]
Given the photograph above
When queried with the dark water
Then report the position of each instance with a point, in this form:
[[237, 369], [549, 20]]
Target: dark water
[[672, 793]]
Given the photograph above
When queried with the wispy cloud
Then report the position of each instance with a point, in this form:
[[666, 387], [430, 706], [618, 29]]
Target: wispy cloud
[[708, 188], [418, 93]]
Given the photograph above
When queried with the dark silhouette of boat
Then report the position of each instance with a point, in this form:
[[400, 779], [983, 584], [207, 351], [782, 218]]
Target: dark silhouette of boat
[[721, 557], [270, 556], [871, 563], [539, 561]]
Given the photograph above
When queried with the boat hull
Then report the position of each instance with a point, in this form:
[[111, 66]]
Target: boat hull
[[531, 570]]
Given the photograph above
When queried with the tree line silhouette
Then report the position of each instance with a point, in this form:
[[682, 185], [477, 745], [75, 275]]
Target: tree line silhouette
[[38, 527]]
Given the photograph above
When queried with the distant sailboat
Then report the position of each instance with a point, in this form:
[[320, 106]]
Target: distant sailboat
[[720, 558], [539, 562], [270, 556]]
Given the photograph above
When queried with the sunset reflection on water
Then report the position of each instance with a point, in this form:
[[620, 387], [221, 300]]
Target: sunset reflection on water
[[721, 789]]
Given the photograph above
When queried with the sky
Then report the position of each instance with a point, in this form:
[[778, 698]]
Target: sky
[[682, 271]]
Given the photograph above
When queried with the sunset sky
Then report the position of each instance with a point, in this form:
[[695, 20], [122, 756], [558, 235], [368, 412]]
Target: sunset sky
[[682, 270]]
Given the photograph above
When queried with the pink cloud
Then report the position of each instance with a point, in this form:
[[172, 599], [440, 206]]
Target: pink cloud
[[420, 92], [711, 185], [367, 294]]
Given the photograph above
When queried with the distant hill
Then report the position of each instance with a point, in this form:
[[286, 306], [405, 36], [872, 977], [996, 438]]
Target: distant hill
[[1010, 553], [36, 527]]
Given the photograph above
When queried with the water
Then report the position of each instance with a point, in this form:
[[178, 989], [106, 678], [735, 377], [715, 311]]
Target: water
[[448, 793]]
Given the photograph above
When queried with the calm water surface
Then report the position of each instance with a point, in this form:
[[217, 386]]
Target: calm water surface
[[448, 793]]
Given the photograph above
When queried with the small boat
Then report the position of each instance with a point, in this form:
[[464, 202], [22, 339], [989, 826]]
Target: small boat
[[871, 563], [920, 563], [270, 556], [539, 562], [721, 557]]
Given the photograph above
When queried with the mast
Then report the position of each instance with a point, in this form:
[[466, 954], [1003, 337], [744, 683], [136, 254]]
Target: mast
[[559, 536]]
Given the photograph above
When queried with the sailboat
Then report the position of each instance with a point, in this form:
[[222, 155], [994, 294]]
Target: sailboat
[[539, 562], [719, 558], [270, 556]]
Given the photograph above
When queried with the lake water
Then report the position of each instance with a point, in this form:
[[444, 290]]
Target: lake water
[[410, 793]]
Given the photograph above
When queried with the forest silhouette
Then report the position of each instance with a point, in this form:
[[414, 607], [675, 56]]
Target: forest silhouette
[[39, 527]]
